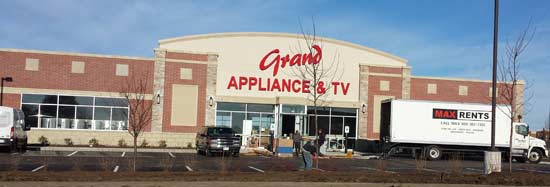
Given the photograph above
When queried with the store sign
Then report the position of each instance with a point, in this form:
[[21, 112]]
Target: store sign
[[274, 62]]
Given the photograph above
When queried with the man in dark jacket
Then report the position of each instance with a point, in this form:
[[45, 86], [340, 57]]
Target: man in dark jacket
[[307, 151]]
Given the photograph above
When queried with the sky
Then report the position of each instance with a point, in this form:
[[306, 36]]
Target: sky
[[449, 38]]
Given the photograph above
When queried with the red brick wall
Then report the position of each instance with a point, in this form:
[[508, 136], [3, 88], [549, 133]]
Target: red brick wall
[[186, 56], [447, 90], [12, 100], [55, 72], [173, 77], [396, 87]]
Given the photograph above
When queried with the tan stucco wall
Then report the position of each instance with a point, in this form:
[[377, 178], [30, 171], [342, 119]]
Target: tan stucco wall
[[110, 138]]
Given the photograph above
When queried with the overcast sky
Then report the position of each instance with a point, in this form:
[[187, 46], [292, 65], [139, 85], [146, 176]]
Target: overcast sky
[[438, 38]]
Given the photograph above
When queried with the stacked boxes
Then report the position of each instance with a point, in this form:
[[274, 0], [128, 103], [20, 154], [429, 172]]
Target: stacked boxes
[[284, 147]]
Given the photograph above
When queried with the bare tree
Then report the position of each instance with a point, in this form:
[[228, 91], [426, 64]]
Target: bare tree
[[509, 71], [135, 91], [320, 74]]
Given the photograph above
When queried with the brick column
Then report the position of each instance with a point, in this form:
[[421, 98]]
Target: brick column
[[211, 76], [518, 101], [406, 84], [363, 99], [158, 88]]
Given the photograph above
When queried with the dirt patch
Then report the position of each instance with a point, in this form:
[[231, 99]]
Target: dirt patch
[[312, 176]]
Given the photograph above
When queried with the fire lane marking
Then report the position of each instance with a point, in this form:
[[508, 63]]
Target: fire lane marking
[[189, 169], [473, 169], [256, 169], [116, 169], [38, 168], [123, 153], [72, 153], [171, 155]]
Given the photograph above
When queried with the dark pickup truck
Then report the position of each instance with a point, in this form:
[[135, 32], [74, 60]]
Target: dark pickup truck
[[211, 140]]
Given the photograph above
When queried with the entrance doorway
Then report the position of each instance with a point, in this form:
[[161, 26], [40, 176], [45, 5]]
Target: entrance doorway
[[290, 123]]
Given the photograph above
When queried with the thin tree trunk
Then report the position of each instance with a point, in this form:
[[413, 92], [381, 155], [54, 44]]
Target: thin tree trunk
[[512, 115], [135, 154]]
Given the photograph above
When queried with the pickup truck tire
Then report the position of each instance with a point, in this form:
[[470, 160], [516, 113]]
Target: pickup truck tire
[[433, 152], [535, 156]]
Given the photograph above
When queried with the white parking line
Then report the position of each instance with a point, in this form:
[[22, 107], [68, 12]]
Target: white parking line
[[189, 169], [116, 169], [38, 168], [473, 169], [171, 155], [72, 153], [545, 163], [534, 170], [256, 169], [123, 153], [373, 169]]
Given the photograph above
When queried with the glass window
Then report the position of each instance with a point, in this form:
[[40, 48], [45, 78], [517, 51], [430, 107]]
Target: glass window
[[84, 112], [76, 100], [35, 98], [260, 108], [102, 113], [322, 123], [30, 114], [255, 118], [344, 111], [237, 122], [220, 131], [103, 101], [336, 125], [231, 106], [120, 114], [223, 119], [351, 122], [48, 115], [295, 109], [320, 110]]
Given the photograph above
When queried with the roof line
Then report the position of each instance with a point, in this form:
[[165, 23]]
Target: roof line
[[274, 34], [73, 54]]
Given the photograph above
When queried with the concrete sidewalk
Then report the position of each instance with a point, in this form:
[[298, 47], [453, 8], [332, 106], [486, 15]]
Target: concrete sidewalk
[[220, 184]]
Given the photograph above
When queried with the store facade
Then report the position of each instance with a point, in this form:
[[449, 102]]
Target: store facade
[[247, 81]]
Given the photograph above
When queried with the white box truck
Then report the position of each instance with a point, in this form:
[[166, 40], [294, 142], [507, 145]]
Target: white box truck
[[432, 128], [12, 129]]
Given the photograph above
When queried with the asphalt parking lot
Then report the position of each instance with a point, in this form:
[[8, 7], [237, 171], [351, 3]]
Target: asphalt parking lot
[[57, 161]]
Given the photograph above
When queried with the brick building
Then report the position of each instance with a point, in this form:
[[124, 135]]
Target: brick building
[[247, 81]]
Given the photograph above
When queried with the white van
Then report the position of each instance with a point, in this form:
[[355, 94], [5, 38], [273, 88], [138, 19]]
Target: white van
[[12, 129]]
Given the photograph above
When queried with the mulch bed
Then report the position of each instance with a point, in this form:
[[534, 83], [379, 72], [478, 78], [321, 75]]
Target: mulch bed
[[309, 176]]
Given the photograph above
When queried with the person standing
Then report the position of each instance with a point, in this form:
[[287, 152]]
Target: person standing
[[297, 140], [307, 151], [321, 141]]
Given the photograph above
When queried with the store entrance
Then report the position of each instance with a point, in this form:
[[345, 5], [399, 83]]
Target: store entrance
[[290, 123]]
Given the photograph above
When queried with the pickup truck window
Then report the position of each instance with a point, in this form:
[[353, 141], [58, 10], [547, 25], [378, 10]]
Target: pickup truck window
[[220, 132]]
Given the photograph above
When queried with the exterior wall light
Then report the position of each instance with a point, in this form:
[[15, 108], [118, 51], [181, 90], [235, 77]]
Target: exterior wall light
[[210, 101], [363, 108], [7, 79], [158, 98]]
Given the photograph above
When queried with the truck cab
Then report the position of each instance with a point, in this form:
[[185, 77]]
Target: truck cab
[[525, 147]]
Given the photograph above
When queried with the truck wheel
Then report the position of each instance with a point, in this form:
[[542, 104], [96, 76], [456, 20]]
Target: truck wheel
[[535, 156], [433, 152]]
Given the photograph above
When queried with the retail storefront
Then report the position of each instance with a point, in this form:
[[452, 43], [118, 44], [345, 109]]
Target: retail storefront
[[246, 81]]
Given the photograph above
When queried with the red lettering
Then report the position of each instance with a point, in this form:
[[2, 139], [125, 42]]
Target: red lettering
[[345, 88], [286, 85], [260, 85], [232, 83], [252, 82], [242, 81], [275, 85], [296, 89], [305, 86], [311, 58], [439, 113], [335, 87]]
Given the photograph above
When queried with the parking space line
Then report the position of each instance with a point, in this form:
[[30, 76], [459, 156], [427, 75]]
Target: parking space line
[[546, 163], [256, 169], [171, 155], [72, 153], [123, 153], [189, 169], [533, 170], [38, 168], [116, 169], [373, 169], [473, 169]]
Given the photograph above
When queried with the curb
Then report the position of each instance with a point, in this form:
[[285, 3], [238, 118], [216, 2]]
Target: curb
[[109, 149]]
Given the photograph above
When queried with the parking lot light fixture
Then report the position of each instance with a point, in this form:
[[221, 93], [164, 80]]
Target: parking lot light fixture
[[7, 79]]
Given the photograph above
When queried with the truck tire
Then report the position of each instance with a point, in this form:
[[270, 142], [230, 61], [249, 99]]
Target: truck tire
[[535, 156], [433, 152]]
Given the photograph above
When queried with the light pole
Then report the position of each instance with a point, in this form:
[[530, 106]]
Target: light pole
[[7, 79]]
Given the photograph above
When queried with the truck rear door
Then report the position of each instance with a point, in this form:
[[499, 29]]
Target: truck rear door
[[6, 122]]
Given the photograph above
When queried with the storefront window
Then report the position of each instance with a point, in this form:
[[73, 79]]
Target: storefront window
[[237, 122], [320, 110], [231, 106], [344, 111], [75, 112], [293, 109]]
